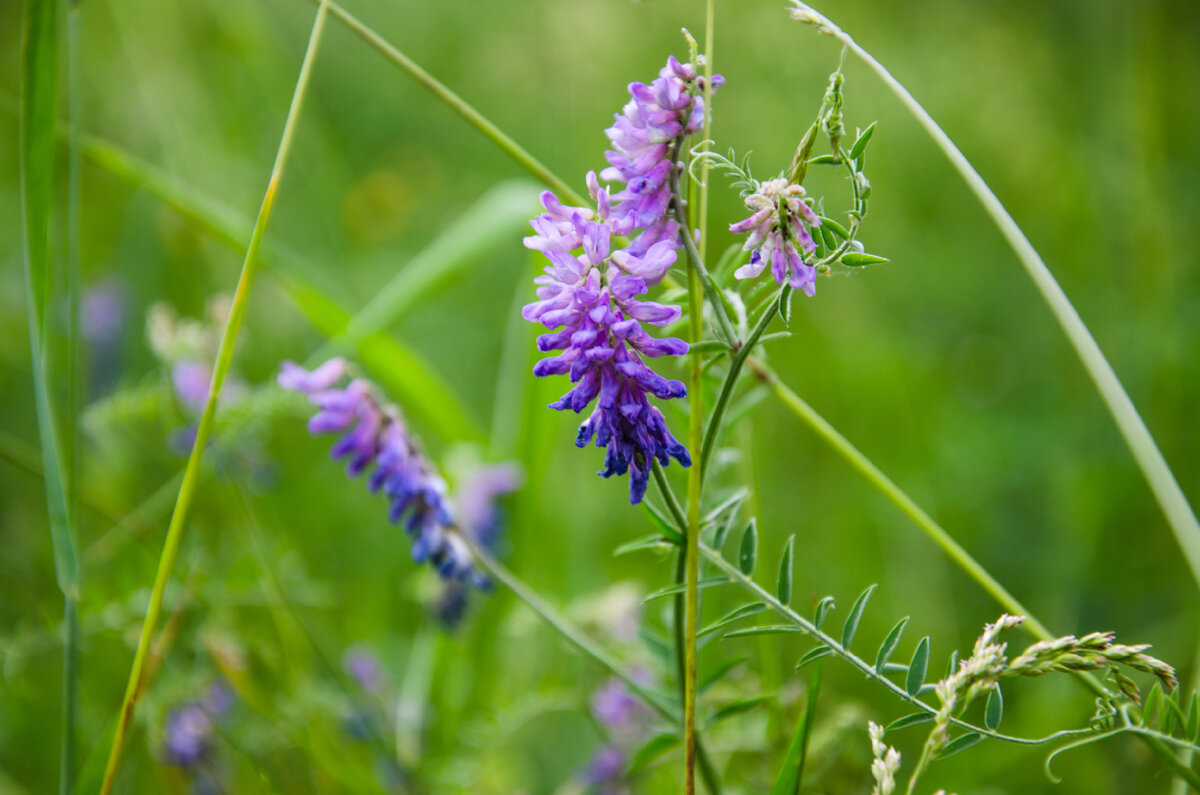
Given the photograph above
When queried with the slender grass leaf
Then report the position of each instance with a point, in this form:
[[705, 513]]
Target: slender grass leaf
[[1191, 729], [860, 143], [855, 259], [737, 708], [772, 629], [822, 610], [663, 524], [813, 654], [918, 667], [652, 750], [915, 719], [835, 227], [784, 585], [792, 770], [716, 676], [654, 541], [952, 665], [736, 615], [856, 613], [1153, 705], [671, 590], [889, 645], [960, 744], [993, 713], [1174, 715], [749, 549]]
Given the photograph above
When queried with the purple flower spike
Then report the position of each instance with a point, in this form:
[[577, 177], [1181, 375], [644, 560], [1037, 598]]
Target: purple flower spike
[[779, 235], [375, 439], [588, 295]]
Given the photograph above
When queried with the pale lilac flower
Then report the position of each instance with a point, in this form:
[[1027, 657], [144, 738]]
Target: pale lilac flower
[[606, 768], [779, 235], [191, 380], [188, 737], [102, 313], [614, 706], [364, 667]]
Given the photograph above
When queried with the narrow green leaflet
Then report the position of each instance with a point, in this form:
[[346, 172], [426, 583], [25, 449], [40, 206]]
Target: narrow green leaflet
[[860, 144], [918, 667], [786, 564], [749, 549], [738, 707], [671, 590], [994, 712], [813, 654], [654, 541], [662, 523], [889, 645], [822, 610], [736, 615], [961, 744], [792, 770], [773, 629], [856, 612], [915, 719]]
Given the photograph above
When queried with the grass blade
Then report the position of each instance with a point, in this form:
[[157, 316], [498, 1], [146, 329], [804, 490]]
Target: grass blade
[[792, 770], [204, 428]]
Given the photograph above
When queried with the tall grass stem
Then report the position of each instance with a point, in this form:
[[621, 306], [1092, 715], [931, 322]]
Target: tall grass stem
[[204, 428]]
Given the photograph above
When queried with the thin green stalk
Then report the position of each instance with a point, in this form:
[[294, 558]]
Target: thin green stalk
[[457, 104], [36, 124], [1167, 492], [204, 428], [696, 262], [730, 384], [569, 631]]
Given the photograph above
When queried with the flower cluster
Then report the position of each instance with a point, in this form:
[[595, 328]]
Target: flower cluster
[[588, 295], [374, 436], [779, 223]]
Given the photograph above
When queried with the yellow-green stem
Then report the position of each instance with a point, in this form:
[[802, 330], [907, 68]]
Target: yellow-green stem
[[204, 429]]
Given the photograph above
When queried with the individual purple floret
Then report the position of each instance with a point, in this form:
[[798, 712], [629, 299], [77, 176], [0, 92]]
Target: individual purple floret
[[188, 737], [614, 706], [606, 769], [644, 137], [375, 438], [779, 224], [591, 299]]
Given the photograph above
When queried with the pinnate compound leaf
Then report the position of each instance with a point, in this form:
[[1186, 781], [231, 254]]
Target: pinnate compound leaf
[[749, 549], [889, 645], [784, 585], [736, 615], [918, 667], [856, 613]]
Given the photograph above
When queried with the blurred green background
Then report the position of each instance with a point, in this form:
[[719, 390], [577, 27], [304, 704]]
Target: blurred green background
[[943, 366]]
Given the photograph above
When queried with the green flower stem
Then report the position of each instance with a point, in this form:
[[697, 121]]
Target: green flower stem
[[458, 104], [1149, 458], [696, 262], [731, 379], [204, 428], [569, 631]]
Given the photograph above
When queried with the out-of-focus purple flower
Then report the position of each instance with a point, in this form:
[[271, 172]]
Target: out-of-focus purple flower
[[188, 737], [375, 438], [606, 767], [102, 311], [363, 666], [779, 226], [614, 706], [219, 699], [644, 137], [191, 380], [476, 500]]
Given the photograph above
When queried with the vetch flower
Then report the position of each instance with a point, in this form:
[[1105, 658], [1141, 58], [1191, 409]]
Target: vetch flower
[[645, 136], [375, 438], [591, 299], [779, 235]]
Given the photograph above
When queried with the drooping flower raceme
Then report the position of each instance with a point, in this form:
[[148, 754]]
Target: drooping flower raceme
[[588, 295], [374, 437], [779, 236]]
